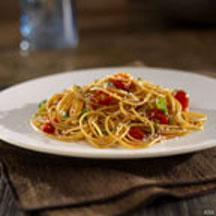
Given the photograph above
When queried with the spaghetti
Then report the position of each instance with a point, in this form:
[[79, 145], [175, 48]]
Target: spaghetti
[[118, 110]]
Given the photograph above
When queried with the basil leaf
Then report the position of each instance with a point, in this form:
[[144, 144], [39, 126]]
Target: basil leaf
[[109, 83], [161, 103], [83, 112], [64, 114], [111, 129], [41, 103], [77, 87], [156, 122], [105, 132]]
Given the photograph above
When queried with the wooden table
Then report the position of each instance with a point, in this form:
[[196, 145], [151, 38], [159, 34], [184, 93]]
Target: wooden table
[[114, 40]]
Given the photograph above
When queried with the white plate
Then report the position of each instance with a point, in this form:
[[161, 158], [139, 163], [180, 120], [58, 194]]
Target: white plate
[[19, 102]]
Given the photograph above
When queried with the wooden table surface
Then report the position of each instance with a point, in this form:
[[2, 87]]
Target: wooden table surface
[[118, 39]]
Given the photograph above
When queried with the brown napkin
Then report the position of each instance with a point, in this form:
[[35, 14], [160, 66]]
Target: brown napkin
[[103, 187]]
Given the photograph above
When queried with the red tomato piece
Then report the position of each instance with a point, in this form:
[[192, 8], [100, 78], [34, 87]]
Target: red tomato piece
[[137, 133], [101, 98], [122, 75], [125, 85], [122, 81], [158, 115], [182, 97], [48, 128], [94, 106], [56, 120]]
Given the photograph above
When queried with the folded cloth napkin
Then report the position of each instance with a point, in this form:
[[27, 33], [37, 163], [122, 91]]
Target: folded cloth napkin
[[103, 187]]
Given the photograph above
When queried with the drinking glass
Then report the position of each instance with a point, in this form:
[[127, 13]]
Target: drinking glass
[[47, 24]]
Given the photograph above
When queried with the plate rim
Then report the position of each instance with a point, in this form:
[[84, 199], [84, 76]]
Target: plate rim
[[117, 155], [198, 75], [85, 154]]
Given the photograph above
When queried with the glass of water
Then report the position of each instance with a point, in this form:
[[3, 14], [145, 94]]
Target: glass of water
[[47, 24]]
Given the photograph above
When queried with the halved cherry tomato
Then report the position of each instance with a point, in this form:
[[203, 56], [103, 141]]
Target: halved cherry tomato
[[182, 97], [122, 81], [125, 85], [137, 133], [122, 75], [159, 115], [48, 128], [56, 120], [101, 98]]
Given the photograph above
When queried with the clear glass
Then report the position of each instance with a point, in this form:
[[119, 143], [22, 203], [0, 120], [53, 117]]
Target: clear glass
[[47, 24]]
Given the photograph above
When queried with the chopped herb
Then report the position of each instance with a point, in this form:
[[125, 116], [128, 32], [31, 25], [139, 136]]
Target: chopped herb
[[77, 87], [105, 132], [41, 103], [83, 112], [139, 78], [156, 122], [43, 110], [111, 129], [64, 114], [109, 83], [161, 104]]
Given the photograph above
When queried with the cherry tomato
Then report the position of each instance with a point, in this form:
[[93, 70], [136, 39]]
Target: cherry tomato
[[56, 120], [94, 106], [159, 115], [137, 133], [125, 85], [124, 82], [101, 98], [122, 75], [182, 97], [48, 128]]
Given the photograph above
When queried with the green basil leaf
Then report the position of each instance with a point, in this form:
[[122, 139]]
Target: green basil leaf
[[83, 112], [41, 103], [64, 114], [77, 87], [161, 103], [109, 83], [105, 132], [156, 122]]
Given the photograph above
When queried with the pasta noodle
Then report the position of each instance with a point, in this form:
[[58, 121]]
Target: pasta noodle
[[118, 110]]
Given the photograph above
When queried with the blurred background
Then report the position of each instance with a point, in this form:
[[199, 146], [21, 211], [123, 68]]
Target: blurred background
[[159, 33]]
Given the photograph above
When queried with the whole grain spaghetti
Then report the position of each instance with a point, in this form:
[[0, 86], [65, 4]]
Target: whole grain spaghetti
[[118, 110]]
